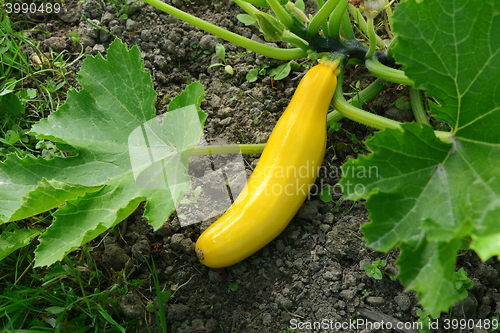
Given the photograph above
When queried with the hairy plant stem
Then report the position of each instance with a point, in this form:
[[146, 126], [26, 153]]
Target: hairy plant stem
[[260, 3], [228, 149], [333, 117], [360, 20], [336, 19], [388, 11], [298, 14], [324, 25], [387, 73], [373, 38], [350, 47], [346, 27], [247, 7], [357, 114], [369, 119], [321, 16], [268, 51], [295, 40], [364, 96], [361, 98], [281, 13], [417, 106]]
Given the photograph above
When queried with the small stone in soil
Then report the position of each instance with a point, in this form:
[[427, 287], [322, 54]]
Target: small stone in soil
[[57, 44], [308, 210], [283, 301], [266, 319], [131, 305], [375, 300], [175, 242], [92, 9], [141, 250], [115, 257], [208, 42], [403, 301], [177, 312], [348, 294], [70, 14], [98, 48], [215, 277]]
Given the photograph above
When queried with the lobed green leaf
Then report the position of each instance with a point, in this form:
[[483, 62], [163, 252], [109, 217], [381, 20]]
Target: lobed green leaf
[[424, 195], [12, 239], [122, 155]]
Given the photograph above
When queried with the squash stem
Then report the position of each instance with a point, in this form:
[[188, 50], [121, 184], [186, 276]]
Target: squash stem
[[281, 13], [417, 107], [369, 119], [247, 7], [336, 19], [357, 114], [346, 27], [260, 3], [324, 25], [387, 73], [266, 50], [373, 38], [292, 39], [228, 149], [360, 20], [389, 14], [363, 97], [321, 16]]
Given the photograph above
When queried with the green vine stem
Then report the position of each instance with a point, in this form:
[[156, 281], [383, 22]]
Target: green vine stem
[[346, 27], [320, 3], [299, 14], [281, 13], [336, 19], [361, 98], [228, 149], [356, 114], [417, 106], [360, 20], [324, 26], [260, 3], [333, 117], [247, 7], [295, 40], [387, 73], [389, 13], [372, 38], [369, 119], [265, 50], [321, 16]]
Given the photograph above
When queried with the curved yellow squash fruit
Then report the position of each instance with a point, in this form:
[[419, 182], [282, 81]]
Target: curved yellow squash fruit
[[287, 169]]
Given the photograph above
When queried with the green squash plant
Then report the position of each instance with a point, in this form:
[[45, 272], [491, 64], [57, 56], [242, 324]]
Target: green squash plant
[[433, 189]]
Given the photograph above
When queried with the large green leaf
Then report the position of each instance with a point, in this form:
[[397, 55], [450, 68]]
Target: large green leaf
[[192, 95], [12, 239], [424, 195], [124, 156]]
